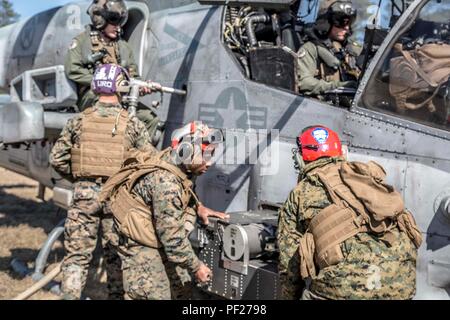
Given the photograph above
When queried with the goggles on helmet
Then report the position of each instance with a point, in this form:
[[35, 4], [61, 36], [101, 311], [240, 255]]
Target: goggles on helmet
[[193, 140], [341, 21], [198, 133], [115, 18], [342, 13]]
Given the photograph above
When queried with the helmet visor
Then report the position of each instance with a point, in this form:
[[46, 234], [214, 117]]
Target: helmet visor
[[342, 20], [115, 18]]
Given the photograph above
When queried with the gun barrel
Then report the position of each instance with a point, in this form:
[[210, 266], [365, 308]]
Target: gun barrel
[[174, 91], [151, 85]]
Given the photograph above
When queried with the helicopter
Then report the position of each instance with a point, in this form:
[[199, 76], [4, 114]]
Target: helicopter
[[237, 62]]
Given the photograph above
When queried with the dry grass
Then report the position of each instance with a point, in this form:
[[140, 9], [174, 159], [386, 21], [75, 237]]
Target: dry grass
[[25, 222]]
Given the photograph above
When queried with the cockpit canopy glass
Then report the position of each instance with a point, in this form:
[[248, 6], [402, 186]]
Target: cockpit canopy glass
[[412, 78]]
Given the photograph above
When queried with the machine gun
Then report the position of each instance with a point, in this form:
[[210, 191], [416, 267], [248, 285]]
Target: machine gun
[[242, 254]]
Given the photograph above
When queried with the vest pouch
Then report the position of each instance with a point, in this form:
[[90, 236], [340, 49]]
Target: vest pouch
[[306, 251], [403, 77], [134, 220], [330, 257], [139, 227], [330, 227]]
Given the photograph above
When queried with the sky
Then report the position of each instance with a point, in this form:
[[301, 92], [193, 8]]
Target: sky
[[366, 9], [27, 8]]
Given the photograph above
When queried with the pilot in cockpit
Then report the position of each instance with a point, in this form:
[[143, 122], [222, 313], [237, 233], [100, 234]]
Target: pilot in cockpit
[[328, 60]]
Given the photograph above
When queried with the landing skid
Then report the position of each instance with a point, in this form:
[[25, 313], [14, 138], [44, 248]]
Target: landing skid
[[41, 261]]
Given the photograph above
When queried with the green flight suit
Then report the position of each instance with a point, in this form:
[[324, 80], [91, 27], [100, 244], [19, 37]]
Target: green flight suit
[[319, 70], [80, 70]]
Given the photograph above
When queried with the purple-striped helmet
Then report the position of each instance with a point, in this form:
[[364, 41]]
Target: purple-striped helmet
[[107, 78]]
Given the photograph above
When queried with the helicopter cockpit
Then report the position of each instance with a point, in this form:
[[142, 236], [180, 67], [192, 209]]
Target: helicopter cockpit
[[411, 80], [264, 37]]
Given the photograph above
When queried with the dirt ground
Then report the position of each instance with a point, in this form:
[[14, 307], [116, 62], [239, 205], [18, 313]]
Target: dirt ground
[[25, 222]]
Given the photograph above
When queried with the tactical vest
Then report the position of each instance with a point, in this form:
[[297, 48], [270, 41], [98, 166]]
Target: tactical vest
[[132, 216], [112, 49], [361, 202], [331, 68], [103, 145], [329, 65]]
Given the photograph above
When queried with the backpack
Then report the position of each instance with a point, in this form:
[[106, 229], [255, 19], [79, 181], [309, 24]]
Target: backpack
[[416, 75]]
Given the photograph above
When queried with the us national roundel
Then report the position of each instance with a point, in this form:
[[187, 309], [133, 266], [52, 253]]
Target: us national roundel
[[320, 135]]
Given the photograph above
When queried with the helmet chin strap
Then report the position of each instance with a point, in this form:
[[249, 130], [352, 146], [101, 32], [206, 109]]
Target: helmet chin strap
[[299, 163]]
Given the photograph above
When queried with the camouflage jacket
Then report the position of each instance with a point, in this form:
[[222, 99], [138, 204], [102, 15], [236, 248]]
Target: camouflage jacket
[[79, 70], [60, 156], [319, 70], [163, 192], [370, 269]]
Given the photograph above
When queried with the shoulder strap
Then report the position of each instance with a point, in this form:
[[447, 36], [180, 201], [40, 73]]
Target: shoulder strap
[[130, 174], [182, 177], [339, 197], [95, 41], [112, 185], [88, 111], [135, 176], [328, 57], [320, 172]]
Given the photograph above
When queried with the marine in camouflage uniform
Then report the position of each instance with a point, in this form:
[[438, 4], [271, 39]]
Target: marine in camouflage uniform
[[80, 69], [371, 268], [165, 273], [86, 214], [160, 266], [328, 61]]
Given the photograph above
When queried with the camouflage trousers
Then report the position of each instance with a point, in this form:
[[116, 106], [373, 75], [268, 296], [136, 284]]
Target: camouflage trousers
[[85, 218], [147, 275]]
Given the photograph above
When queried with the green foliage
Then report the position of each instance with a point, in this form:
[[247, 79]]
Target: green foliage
[[7, 13]]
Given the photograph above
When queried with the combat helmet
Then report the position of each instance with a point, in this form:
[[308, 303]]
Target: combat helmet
[[195, 141], [337, 13], [110, 79], [103, 12], [317, 142]]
